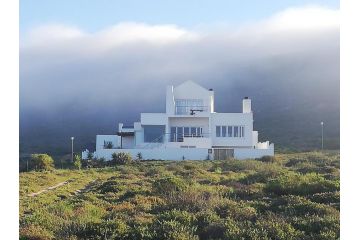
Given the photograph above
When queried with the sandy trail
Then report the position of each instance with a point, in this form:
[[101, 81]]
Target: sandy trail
[[49, 188]]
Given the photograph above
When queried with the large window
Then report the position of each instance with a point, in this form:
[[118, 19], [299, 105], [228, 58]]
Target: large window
[[178, 133], [154, 133], [184, 106], [230, 131]]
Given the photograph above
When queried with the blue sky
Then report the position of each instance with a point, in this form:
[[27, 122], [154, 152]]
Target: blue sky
[[96, 14]]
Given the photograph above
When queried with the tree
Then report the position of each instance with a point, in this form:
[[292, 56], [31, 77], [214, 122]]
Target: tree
[[77, 162], [42, 162]]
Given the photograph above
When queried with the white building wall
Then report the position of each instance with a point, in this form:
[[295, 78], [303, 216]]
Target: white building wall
[[232, 119], [170, 100], [108, 138], [254, 138], [190, 90], [154, 119], [179, 153], [128, 142], [190, 121], [159, 154]]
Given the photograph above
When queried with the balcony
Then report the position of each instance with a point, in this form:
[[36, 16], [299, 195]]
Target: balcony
[[190, 110]]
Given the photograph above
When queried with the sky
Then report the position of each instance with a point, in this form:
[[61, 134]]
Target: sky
[[96, 14], [107, 63]]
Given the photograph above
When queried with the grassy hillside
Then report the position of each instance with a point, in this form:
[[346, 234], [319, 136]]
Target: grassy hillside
[[294, 197]]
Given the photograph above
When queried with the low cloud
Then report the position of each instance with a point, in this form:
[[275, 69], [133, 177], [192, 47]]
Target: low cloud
[[124, 68]]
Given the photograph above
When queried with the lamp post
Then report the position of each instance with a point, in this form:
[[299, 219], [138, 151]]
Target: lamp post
[[72, 149], [322, 123]]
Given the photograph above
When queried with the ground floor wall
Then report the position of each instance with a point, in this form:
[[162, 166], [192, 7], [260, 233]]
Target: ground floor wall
[[183, 153]]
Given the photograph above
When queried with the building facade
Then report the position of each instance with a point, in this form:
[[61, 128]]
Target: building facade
[[189, 129]]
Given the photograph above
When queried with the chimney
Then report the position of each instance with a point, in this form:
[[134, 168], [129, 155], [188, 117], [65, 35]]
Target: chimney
[[247, 105]]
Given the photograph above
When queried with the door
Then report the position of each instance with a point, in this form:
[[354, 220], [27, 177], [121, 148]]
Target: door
[[223, 154]]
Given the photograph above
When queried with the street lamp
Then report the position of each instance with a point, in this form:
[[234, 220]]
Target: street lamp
[[72, 149], [322, 123]]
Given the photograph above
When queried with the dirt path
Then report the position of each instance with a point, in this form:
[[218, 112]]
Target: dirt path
[[49, 188]]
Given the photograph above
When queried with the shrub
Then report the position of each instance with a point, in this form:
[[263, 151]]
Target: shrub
[[174, 230], [268, 159], [275, 227], [77, 162], [42, 162], [168, 185], [298, 184], [121, 158], [110, 186], [34, 232]]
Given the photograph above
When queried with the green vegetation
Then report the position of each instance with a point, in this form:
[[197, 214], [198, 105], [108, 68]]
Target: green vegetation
[[291, 196], [41, 162], [77, 161]]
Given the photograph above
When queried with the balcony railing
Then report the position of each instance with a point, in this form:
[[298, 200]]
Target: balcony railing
[[190, 110]]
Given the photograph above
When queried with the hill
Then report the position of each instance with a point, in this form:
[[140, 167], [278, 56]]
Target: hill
[[294, 196]]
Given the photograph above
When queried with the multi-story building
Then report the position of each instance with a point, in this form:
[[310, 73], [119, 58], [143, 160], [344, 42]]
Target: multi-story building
[[189, 129]]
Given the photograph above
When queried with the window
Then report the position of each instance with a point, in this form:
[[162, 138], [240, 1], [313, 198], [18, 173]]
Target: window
[[224, 131], [199, 132], [193, 131], [179, 134], [229, 131], [186, 131], [154, 133], [235, 132], [173, 134], [218, 131], [184, 106]]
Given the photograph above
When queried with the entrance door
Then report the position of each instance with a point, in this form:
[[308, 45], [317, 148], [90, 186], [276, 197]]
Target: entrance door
[[223, 154]]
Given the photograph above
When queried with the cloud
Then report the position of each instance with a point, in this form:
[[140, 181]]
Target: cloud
[[122, 70]]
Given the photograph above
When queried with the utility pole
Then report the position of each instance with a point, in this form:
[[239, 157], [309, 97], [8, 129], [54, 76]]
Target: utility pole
[[72, 149], [322, 123]]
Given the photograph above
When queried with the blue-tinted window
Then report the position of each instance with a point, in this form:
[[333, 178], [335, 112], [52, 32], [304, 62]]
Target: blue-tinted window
[[184, 106], [154, 133], [235, 131], [193, 131], [218, 131], [229, 131], [186, 131], [173, 134], [224, 131], [179, 134]]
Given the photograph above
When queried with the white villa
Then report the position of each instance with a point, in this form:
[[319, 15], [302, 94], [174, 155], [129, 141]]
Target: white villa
[[189, 129]]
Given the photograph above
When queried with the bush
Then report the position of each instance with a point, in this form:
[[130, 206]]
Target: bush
[[168, 185], [34, 232], [298, 184], [275, 227], [174, 230], [268, 159], [42, 162], [121, 158], [77, 162]]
